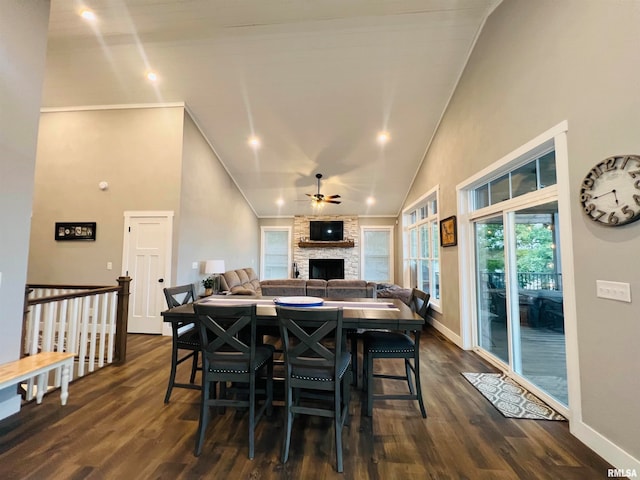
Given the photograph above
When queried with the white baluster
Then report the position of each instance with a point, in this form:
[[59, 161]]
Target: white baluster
[[84, 327], [94, 331], [103, 328], [113, 300]]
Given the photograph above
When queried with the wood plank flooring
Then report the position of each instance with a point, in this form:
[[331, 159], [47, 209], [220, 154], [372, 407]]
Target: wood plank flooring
[[116, 426]]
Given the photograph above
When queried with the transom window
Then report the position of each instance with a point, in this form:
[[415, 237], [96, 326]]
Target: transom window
[[534, 175]]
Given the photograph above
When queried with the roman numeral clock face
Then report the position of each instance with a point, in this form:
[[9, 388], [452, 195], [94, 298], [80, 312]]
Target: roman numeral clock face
[[610, 192]]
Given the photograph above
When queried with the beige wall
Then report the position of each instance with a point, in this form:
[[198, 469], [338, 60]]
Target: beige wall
[[23, 43], [535, 65], [215, 222], [137, 151]]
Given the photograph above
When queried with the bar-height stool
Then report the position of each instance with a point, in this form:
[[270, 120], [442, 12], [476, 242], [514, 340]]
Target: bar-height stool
[[185, 337], [316, 367], [230, 353], [389, 344]]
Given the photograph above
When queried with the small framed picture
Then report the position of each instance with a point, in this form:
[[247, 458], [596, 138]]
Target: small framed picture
[[448, 232], [75, 231]]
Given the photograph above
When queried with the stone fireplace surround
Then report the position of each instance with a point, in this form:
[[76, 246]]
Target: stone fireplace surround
[[350, 255]]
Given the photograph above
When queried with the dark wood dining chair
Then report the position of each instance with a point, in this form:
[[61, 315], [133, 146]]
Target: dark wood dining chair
[[317, 368], [185, 338], [393, 344], [230, 355]]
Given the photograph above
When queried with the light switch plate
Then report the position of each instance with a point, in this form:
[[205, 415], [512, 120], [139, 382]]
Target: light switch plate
[[613, 290], [194, 265]]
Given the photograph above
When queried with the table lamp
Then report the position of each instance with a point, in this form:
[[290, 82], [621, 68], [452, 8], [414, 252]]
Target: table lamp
[[215, 268]]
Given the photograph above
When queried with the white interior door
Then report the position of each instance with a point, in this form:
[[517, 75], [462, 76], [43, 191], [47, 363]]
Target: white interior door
[[147, 260]]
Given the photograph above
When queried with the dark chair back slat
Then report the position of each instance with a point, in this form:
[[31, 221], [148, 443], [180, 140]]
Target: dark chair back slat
[[185, 337]]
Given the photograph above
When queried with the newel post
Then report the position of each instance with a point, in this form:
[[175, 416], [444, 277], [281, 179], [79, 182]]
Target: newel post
[[122, 320]]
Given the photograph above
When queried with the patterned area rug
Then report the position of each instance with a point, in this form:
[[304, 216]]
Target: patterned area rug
[[511, 399]]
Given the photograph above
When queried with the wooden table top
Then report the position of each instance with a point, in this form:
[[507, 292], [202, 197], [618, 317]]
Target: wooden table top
[[388, 313]]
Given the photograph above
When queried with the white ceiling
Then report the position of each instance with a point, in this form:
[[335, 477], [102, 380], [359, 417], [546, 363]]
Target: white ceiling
[[315, 80]]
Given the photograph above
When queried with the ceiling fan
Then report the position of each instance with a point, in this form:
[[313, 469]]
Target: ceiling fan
[[318, 198]]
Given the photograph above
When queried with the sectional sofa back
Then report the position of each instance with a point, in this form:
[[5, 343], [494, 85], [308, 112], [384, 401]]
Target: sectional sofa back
[[242, 281]]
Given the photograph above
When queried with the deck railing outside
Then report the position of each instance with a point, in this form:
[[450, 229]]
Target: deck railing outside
[[529, 281], [90, 321]]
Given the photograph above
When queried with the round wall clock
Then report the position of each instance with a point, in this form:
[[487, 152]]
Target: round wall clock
[[610, 192]]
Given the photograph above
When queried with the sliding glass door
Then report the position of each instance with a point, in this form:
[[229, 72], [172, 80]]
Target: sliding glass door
[[519, 294], [491, 293]]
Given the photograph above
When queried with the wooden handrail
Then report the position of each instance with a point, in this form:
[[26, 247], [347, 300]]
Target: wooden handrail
[[122, 309], [66, 296]]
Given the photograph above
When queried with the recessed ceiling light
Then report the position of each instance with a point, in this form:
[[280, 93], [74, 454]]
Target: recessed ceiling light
[[280, 202], [371, 201], [383, 137], [87, 14], [152, 76], [254, 141]]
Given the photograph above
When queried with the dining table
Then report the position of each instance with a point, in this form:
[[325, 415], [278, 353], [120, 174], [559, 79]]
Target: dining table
[[358, 313]]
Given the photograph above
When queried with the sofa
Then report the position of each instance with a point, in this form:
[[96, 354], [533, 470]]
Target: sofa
[[244, 281]]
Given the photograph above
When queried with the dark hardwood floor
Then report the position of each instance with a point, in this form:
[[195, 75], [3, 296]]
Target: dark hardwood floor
[[116, 426]]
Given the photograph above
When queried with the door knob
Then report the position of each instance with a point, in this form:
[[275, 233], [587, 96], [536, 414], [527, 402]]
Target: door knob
[[160, 280]]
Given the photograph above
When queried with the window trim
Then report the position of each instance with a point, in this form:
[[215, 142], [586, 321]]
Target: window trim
[[423, 200], [282, 228], [391, 230]]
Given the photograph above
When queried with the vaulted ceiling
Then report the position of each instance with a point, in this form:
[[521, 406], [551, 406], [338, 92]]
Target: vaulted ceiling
[[315, 80]]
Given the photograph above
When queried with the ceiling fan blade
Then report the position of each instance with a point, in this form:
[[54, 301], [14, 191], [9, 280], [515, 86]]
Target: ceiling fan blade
[[332, 196], [333, 201]]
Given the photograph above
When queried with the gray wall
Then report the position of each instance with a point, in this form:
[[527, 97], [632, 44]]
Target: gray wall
[[535, 65], [153, 159], [216, 223], [137, 151], [23, 41]]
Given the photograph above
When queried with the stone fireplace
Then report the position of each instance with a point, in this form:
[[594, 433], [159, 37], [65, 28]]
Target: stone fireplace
[[347, 252], [326, 268]]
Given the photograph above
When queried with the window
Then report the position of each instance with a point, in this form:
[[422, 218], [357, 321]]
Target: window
[[534, 175], [422, 256], [276, 252], [377, 258]]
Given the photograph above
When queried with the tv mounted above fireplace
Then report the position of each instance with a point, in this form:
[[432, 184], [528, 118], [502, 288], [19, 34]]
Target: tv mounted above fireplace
[[326, 230]]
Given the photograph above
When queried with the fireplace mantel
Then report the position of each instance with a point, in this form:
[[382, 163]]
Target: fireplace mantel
[[317, 244]]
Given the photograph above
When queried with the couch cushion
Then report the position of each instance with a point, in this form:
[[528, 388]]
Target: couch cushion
[[316, 287], [242, 281], [339, 288], [284, 287]]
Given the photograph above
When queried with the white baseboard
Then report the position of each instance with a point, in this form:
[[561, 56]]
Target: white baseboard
[[10, 406], [608, 450], [451, 336]]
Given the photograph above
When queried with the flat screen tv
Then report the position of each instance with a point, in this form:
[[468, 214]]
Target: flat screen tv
[[326, 231]]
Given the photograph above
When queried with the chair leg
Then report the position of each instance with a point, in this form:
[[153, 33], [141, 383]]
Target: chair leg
[[409, 374], [194, 366], [288, 420], [252, 415], [172, 375], [369, 384], [346, 399], [204, 416], [337, 424], [269, 400], [354, 358], [416, 371]]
